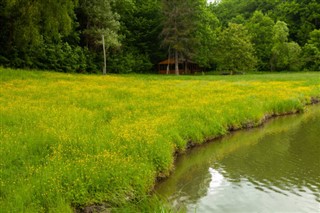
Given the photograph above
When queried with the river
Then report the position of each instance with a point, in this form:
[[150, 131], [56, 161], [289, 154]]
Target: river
[[273, 168]]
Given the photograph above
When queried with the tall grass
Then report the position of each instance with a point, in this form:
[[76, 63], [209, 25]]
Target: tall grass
[[69, 141]]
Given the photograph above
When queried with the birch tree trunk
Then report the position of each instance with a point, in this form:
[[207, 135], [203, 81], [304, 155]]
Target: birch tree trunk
[[176, 62], [104, 57], [169, 56]]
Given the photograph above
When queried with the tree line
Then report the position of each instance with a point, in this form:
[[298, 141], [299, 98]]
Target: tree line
[[228, 35]]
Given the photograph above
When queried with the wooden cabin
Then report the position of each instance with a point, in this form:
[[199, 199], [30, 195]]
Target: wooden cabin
[[185, 67]]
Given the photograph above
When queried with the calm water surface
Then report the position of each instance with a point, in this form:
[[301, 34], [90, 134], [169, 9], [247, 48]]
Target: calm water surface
[[275, 168]]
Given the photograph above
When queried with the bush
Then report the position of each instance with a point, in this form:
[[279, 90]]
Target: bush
[[60, 57], [129, 62], [311, 57]]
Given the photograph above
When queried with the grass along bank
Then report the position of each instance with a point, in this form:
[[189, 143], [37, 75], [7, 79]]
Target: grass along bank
[[75, 140]]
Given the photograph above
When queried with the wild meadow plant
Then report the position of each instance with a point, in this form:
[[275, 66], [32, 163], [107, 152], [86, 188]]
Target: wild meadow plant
[[70, 141]]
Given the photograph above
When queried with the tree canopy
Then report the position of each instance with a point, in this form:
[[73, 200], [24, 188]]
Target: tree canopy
[[65, 35], [235, 50]]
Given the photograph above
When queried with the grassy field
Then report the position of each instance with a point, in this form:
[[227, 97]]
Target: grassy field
[[75, 140]]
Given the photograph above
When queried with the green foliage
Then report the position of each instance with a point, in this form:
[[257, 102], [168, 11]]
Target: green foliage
[[315, 38], [311, 52], [179, 24], [64, 58], [260, 28], [30, 23], [140, 30], [239, 19], [98, 18], [147, 29], [279, 50], [280, 32], [235, 51], [294, 54], [129, 62], [206, 37], [33, 34], [60, 57], [285, 55], [226, 10], [189, 28], [311, 56], [301, 16]]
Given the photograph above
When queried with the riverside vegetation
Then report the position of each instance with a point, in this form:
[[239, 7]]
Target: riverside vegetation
[[70, 140]]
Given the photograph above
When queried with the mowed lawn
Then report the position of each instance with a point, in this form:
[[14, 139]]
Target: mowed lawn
[[70, 140]]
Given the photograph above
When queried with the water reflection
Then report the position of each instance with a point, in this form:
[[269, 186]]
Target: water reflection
[[272, 168], [217, 180]]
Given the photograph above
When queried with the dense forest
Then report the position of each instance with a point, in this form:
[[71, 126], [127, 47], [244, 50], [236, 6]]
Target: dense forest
[[228, 35]]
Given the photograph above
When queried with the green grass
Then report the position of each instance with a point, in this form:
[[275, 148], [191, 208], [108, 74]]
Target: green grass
[[70, 141]]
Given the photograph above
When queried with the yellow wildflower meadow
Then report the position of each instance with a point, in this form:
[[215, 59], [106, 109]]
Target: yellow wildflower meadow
[[68, 141]]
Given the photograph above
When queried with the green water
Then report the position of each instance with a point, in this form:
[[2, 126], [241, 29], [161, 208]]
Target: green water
[[274, 168]]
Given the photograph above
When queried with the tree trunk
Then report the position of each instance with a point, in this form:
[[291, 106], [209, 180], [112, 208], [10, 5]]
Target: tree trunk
[[168, 66], [176, 62], [272, 63], [186, 67], [104, 57]]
